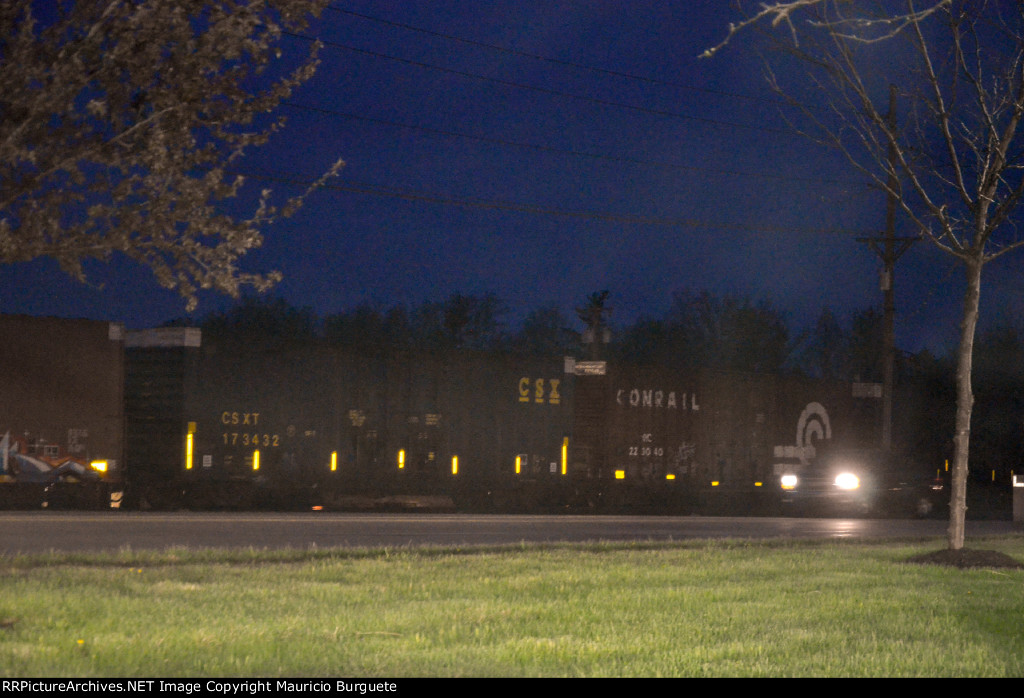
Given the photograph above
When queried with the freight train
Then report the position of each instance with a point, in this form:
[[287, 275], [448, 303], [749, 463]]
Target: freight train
[[95, 416]]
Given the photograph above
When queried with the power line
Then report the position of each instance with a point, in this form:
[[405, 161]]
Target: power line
[[545, 90], [355, 187], [555, 61], [566, 151]]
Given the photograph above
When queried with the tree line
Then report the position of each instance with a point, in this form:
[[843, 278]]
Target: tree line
[[699, 330]]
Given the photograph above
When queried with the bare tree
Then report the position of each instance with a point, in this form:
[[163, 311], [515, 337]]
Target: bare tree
[[728, 332], [120, 121], [953, 160]]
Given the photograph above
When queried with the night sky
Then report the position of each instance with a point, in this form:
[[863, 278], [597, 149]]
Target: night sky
[[619, 161]]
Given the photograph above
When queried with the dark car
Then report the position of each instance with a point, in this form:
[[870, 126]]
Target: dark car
[[862, 483]]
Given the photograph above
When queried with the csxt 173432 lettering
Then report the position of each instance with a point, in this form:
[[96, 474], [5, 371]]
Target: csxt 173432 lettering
[[230, 424]]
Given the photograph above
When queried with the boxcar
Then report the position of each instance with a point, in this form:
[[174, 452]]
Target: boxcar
[[229, 424], [706, 440]]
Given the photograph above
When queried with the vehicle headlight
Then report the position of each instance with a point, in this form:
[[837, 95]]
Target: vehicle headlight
[[788, 482], [847, 481]]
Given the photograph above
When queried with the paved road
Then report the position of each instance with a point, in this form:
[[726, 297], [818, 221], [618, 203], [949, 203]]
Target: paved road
[[33, 532]]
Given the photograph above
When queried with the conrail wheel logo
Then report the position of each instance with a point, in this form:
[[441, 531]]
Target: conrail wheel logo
[[813, 426]]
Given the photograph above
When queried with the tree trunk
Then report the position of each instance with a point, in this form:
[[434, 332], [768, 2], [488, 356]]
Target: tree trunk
[[964, 404]]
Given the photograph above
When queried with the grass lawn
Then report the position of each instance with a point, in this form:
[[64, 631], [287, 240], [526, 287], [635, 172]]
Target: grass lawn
[[684, 609]]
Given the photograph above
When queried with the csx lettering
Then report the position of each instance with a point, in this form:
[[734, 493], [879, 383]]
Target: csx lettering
[[542, 390], [243, 418]]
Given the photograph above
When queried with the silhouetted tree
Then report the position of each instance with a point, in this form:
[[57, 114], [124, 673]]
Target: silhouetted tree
[[951, 161], [651, 341], [545, 332], [459, 322], [474, 322], [728, 333], [263, 319], [827, 351], [867, 328], [367, 329]]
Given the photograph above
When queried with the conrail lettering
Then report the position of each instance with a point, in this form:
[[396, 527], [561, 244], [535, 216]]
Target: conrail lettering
[[243, 418], [656, 399]]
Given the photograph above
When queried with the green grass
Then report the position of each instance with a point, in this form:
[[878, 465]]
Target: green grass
[[696, 609]]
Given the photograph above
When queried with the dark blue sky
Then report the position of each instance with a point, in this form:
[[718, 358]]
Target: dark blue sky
[[477, 170]]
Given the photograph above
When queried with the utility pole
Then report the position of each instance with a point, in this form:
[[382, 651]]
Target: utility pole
[[889, 248]]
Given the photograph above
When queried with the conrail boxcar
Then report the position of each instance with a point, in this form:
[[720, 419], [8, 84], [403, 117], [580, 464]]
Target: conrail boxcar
[[61, 411], [707, 440]]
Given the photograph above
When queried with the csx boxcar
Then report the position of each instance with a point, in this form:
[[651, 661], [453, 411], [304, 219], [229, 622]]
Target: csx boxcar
[[221, 424], [61, 411]]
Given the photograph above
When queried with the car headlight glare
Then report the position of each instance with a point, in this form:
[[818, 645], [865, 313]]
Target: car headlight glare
[[788, 482], [847, 481]]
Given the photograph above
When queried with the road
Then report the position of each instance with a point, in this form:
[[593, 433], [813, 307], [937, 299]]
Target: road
[[35, 532]]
